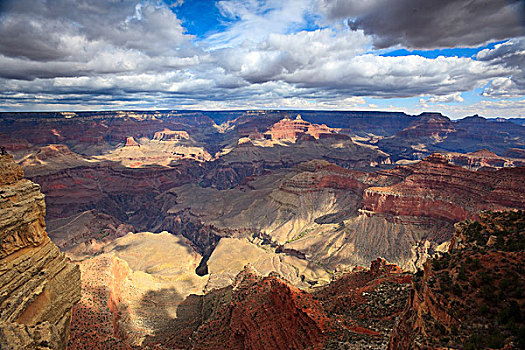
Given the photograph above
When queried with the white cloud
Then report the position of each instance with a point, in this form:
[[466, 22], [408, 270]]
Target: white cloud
[[65, 38], [511, 55], [454, 97], [137, 53], [255, 20]]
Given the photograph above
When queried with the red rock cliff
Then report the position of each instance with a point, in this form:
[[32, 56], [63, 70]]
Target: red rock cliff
[[472, 297], [435, 188]]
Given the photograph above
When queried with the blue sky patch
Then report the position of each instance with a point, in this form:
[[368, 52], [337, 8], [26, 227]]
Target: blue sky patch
[[449, 52], [200, 17]]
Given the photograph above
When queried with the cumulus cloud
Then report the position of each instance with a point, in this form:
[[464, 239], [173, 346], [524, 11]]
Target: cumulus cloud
[[430, 23], [280, 54], [66, 38], [337, 63], [455, 97], [511, 55], [136, 53]]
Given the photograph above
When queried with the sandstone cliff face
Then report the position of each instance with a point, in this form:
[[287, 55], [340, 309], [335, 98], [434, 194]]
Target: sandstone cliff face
[[38, 286], [171, 135], [404, 214], [472, 297], [434, 188]]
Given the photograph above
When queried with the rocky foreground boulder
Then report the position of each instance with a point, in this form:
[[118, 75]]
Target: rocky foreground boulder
[[38, 286]]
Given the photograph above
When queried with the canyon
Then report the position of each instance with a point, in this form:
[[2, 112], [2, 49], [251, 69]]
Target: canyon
[[250, 229]]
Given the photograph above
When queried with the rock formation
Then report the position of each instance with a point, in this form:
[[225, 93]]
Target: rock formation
[[50, 159], [290, 130], [432, 132], [483, 160], [38, 286], [171, 135], [130, 142], [434, 188], [336, 216], [286, 144], [266, 312], [471, 297], [306, 198]]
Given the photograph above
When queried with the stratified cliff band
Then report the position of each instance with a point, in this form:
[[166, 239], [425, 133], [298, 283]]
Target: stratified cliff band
[[38, 286]]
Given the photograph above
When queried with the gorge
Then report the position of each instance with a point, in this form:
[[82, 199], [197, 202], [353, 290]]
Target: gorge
[[251, 229]]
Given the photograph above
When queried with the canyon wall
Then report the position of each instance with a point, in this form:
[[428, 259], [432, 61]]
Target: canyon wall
[[38, 286], [472, 296]]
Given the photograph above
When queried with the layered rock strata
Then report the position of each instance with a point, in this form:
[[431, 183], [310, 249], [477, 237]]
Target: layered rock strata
[[38, 286], [435, 188], [291, 130], [484, 160]]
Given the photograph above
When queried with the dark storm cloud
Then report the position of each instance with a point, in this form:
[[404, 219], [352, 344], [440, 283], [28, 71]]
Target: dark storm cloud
[[431, 23]]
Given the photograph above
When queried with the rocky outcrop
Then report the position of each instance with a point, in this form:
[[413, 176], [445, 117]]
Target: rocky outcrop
[[437, 189], [134, 299], [171, 135], [264, 313], [290, 130], [482, 160], [130, 142], [357, 309], [38, 286], [366, 303], [472, 296]]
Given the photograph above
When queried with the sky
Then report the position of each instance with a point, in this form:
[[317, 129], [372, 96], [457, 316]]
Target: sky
[[457, 57]]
